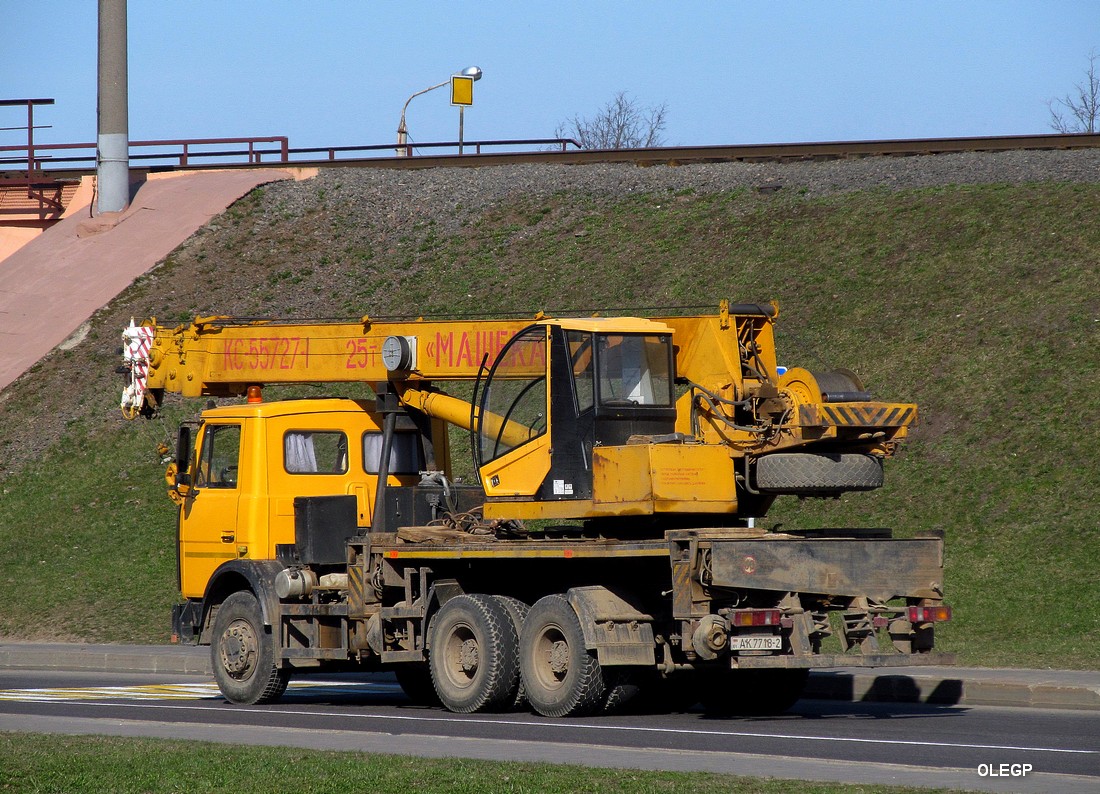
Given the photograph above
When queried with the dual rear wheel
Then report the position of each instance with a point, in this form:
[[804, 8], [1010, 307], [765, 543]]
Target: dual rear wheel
[[562, 677], [540, 657], [473, 655], [494, 653]]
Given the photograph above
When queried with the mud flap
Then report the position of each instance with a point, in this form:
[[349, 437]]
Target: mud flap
[[620, 633]]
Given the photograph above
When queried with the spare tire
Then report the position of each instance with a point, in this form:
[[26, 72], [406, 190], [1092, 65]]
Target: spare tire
[[817, 473]]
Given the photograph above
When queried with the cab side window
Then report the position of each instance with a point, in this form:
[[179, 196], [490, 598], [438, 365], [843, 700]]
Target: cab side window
[[315, 452], [406, 454], [221, 452]]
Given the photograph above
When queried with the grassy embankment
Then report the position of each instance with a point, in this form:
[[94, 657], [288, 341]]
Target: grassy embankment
[[982, 304]]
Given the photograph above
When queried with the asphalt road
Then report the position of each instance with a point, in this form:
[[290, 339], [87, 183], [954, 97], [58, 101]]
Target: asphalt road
[[909, 744]]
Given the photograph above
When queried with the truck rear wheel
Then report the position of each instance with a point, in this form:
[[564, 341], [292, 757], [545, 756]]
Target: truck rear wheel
[[561, 677], [473, 655], [751, 693], [518, 611], [242, 653]]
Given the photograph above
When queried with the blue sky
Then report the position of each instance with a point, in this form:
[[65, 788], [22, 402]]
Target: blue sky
[[337, 73]]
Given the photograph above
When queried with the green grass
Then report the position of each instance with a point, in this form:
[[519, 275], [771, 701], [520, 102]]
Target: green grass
[[982, 304], [41, 763], [96, 541]]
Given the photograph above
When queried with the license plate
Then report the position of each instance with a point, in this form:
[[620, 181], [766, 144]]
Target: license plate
[[758, 642]]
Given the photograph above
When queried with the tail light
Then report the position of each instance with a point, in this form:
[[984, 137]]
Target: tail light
[[938, 614], [745, 618]]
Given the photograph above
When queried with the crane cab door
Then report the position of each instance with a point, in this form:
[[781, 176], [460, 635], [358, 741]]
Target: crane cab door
[[208, 515], [556, 393], [513, 419]]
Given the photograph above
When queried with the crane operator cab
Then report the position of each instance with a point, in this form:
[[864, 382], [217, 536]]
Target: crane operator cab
[[571, 415]]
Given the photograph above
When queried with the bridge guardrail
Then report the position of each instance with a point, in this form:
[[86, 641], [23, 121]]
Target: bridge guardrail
[[185, 153]]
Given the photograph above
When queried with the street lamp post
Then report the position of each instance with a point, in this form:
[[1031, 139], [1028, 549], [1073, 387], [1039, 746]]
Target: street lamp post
[[403, 148]]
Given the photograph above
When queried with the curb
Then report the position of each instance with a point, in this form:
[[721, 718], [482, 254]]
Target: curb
[[944, 686], [106, 658]]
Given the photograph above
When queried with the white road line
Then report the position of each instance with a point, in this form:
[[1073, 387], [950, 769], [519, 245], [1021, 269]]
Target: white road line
[[171, 691], [348, 715]]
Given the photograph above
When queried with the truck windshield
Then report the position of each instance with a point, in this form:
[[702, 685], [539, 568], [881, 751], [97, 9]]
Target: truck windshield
[[634, 370]]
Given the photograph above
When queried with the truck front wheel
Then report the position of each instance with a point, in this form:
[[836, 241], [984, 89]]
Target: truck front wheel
[[243, 653], [561, 677]]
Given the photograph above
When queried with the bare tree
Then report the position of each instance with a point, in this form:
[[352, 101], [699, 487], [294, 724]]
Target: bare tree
[[1079, 112], [620, 124]]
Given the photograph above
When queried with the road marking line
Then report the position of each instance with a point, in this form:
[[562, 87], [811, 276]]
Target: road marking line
[[696, 731], [150, 692], [159, 692], [348, 715]]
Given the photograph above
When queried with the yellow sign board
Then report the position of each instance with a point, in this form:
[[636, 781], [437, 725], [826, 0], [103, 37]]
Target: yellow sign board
[[462, 90]]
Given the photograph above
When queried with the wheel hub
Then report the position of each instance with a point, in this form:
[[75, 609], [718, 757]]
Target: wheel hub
[[559, 658], [239, 650], [468, 656]]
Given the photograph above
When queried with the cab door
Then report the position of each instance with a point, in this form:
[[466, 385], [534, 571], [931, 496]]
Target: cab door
[[208, 516], [513, 418]]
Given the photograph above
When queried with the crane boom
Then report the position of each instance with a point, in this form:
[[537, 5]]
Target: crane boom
[[737, 393], [223, 356]]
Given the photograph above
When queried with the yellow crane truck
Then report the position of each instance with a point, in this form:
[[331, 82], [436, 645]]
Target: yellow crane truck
[[609, 545]]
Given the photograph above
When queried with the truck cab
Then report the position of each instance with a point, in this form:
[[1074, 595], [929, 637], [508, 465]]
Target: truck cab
[[253, 460]]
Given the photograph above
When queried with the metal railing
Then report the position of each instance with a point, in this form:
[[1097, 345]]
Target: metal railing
[[195, 152], [185, 152], [28, 149], [332, 152]]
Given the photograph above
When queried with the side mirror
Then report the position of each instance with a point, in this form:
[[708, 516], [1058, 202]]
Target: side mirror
[[183, 456]]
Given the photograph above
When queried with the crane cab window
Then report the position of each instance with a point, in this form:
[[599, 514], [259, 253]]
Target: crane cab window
[[315, 452], [406, 454], [634, 369], [221, 452], [580, 354], [513, 406]]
